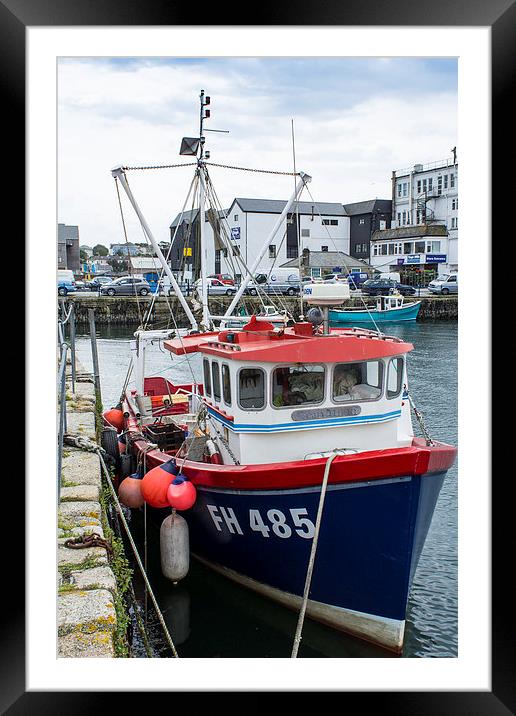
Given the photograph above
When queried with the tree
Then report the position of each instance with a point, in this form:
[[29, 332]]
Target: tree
[[83, 255], [100, 250]]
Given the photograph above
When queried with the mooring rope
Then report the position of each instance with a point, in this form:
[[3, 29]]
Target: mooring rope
[[311, 561]]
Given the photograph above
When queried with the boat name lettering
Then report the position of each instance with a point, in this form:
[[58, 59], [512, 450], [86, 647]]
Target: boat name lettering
[[326, 413], [277, 522]]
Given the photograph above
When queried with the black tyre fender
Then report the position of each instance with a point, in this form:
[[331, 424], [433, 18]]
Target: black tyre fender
[[110, 292], [143, 292], [291, 291], [109, 443], [62, 291], [253, 292]]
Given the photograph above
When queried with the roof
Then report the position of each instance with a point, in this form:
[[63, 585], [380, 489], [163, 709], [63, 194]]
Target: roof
[[292, 345], [147, 262], [367, 207], [191, 215], [327, 260], [407, 232], [276, 206]]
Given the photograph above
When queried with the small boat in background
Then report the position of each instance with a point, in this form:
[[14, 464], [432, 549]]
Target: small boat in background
[[387, 308]]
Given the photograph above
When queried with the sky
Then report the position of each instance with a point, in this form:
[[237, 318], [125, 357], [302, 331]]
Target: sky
[[354, 120]]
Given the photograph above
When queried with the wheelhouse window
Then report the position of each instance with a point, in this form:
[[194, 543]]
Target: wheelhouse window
[[357, 381], [297, 385], [394, 377], [207, 377], [215, 374], [251, 388], [226, 384]]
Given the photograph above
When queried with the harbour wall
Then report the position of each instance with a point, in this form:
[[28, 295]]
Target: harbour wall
[[122, 310], [90, 618]]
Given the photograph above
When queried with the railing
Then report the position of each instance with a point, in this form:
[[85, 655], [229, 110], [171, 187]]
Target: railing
[[61, 383], [441, 163]]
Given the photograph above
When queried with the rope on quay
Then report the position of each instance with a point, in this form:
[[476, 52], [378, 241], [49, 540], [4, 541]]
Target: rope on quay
[[311, 561]]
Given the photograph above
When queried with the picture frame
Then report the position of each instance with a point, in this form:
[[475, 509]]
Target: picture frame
[[15, 17]]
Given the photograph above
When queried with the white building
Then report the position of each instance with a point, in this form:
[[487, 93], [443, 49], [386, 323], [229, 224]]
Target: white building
[[424, 227], [321, 226]]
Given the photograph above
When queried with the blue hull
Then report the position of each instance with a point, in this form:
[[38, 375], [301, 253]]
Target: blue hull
[[405, 313], [371, 537]]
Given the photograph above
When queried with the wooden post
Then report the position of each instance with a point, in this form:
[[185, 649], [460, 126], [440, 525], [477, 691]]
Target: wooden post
[[94, 355]]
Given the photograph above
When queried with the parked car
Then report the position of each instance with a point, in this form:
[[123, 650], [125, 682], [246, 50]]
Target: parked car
[[215, 287], [223, 278], [335, 277], [98, 282], [65, 282], [126, 287], [385, 286], [445, 285], [272, 289], [64, 288]]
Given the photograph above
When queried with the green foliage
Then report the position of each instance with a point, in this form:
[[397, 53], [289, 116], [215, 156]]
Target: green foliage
[[100, 250]]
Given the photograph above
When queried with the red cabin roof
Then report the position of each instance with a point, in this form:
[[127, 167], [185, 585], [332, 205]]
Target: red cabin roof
[[292, 345]]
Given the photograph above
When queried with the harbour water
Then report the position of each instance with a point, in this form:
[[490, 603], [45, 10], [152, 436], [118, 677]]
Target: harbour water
[[209, 616]]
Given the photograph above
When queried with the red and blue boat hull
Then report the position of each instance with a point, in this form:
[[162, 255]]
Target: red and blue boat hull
[[254, 523]]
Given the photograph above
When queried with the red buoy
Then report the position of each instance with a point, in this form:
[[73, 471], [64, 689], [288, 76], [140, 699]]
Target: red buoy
[[181, 493], [115, 418], [155, 484], [130, 492]]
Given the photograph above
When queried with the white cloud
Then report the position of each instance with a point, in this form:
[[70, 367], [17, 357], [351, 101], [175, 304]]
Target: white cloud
[[137, 113]]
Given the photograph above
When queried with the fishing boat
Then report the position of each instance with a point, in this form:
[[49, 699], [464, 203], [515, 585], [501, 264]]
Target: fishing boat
[[292, 460], [386, 308]]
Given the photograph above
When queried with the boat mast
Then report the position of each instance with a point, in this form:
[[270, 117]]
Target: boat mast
[[206, 320]]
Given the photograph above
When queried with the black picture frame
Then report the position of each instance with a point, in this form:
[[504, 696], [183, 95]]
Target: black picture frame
[[500, 16]]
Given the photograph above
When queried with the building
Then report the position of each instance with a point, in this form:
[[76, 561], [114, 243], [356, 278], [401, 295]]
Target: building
[[127, 249], [424, 229], [319, 263], [318, 226], [68, 254], [366, 217]]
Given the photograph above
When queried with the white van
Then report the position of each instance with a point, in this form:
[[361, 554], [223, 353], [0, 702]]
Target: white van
[[278, 275], [65, 275]]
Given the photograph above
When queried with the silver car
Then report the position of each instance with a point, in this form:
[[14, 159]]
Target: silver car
[[445, 285], [126, 286], [215, 287]]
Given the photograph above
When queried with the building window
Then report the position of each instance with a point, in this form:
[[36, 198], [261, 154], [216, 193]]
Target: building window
[[383, 249], [272, 251], [324, 248], [419, 186], [357, 381], [405, 185], [430, 182], [399, 190], [305, 233], [446, 181], [424, 184], [404, 218], [226, 384], [298, 385], [399, 219], [362, 221], [292, 252], [419, 247], [251, 388], [236, 251], [330, 222], [394, 377], [452, 180], [315, 272], [391, 249], [235, 217], [407, 247], [439, 185]]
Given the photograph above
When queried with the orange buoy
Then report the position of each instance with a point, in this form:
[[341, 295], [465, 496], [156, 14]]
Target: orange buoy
[[130, 491], [181, 493], [155, 484], [115, 418]]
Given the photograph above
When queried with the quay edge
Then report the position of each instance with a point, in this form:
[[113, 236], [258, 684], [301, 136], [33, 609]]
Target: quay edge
[[91, 613], [126, 310]]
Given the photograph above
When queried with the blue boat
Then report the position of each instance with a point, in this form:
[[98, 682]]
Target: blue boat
[[387, 308]]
